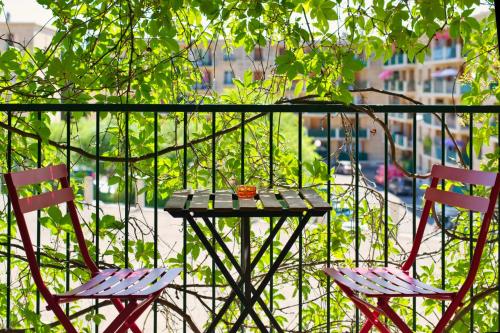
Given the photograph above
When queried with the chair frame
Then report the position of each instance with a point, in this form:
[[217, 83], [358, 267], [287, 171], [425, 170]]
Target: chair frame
[[432, 195], [129, 313]]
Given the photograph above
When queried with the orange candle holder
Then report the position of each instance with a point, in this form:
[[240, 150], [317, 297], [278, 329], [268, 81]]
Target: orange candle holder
[[246, 191]]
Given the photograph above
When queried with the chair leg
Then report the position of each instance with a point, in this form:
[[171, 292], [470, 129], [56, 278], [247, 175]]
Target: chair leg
[[121, 320], [367, 325], [120, 307], [389, 312], [138, 311], [63, 319], [372, 317]]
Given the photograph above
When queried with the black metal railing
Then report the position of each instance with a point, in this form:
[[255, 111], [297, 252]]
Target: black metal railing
[[236, 118]]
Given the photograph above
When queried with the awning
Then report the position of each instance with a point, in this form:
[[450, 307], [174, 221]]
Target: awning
[[443, 35], [445, 72], [385, 75]]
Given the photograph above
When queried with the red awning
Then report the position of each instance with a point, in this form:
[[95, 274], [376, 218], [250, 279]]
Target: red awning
[[385, 75]]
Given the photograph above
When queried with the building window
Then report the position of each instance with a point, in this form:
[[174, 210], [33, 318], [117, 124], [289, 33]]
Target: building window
[[228, 56], [228, 77], [204, 57]]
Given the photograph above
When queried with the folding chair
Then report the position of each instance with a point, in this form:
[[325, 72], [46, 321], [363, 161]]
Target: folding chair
[[139, 288], [385, 283]]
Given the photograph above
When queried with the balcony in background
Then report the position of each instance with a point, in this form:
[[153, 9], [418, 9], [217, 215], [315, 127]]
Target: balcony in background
[[401, 86], [334, 133], [321, 133], [444, 52], [441, 86], [397, 59]]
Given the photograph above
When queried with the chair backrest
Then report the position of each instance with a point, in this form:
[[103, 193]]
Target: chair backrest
[[468, 202], [14, 181]]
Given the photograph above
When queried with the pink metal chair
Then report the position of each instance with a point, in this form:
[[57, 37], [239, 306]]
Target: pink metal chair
[[140, 287], [385, 283]]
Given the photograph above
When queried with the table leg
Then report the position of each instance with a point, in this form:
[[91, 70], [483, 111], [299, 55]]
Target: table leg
[[302, 223], [226, 273], [253, 264], [246, 273]]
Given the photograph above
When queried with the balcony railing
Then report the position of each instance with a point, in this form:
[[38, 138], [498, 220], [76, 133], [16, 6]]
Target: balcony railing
[[171, 147], [437, 53], [441, 86], [397, 59], [394, 85], [443, 53]]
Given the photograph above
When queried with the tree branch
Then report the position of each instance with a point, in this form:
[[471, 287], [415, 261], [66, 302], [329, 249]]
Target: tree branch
[[131, 159], [466, 309]]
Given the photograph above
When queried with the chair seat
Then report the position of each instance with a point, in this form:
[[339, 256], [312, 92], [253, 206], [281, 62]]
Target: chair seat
[[123, 283], [385, 281]]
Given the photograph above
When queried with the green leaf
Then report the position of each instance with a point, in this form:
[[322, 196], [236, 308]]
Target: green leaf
[[455, 28]]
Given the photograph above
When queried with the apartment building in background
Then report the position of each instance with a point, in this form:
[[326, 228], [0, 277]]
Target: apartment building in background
[[219, 67], [433, 82], [29, 35]]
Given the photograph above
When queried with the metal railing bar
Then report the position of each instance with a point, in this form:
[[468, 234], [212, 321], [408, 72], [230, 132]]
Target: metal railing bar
[[127, 188], [328, 218], [97, 199], [184, 222], [356, 203], [214, 180], [68, 166], [414, 212], [242, 181], [498, 226], [9, 224], [271, 220], [155, 212], [38, 224], [242, 149], [300, 236], [471, 214], [386, 194], [443, 215], [310, 108]]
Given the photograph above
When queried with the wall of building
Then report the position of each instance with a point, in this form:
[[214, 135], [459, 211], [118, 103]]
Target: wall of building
[[29, 35]]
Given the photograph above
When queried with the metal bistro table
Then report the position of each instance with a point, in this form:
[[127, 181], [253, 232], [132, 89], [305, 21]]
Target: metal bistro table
[[302, 204]]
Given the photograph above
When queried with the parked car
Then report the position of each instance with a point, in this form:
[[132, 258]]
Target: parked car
[[400, 186], [450, 219], [392, 171], [345, 168]]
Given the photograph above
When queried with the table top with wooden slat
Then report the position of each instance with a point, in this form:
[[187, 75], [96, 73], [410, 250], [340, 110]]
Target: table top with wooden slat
[[198, 202], [267, 203]]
